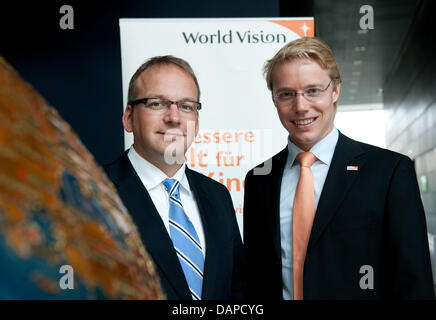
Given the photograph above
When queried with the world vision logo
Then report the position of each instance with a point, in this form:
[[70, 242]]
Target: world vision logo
[[304, 28], [229, 36]]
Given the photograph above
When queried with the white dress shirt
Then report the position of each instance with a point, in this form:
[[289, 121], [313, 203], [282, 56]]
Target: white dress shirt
[[323, 151], [152, 178]]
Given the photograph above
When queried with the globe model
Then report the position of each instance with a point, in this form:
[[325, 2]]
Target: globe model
[[64, 233]]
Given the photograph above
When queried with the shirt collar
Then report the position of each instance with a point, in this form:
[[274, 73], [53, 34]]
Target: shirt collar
[[151, 176], [323, 150]]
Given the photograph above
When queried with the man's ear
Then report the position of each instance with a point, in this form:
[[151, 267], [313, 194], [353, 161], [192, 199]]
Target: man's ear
[[128, 118], [336, 92]]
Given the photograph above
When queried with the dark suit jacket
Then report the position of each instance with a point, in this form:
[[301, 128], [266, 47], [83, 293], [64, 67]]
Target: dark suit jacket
[[373, 216], [224, 268]]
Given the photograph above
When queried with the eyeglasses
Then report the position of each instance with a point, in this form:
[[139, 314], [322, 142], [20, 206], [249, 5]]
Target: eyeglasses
[[161, 105], [310, 94]]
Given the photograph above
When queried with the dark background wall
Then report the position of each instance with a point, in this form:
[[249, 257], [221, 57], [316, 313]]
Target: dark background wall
[[410, 100], [79, 71]]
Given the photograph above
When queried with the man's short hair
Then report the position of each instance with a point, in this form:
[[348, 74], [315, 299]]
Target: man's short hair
[[304, 48], [159, 61]]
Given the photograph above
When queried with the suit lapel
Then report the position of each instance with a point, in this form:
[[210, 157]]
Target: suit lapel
[[273, 184], [211, 234], [337, 184], [150, 225]]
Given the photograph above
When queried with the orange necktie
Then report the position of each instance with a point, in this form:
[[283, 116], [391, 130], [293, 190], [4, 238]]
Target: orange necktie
[[302, 219]]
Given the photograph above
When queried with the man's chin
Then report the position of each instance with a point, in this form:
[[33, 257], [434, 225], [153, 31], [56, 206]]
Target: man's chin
[[303, 142]]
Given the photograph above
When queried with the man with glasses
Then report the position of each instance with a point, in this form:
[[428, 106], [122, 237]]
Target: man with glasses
[[186, 220], [335, 218]]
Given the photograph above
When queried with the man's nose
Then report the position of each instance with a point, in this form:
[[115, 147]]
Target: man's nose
[[300, 103], [172, 114]]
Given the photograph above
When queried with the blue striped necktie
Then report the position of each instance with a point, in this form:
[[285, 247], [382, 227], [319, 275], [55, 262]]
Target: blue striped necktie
[[185, 240]]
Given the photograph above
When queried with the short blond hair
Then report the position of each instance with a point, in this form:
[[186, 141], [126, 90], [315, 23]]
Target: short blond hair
[[304, 48]]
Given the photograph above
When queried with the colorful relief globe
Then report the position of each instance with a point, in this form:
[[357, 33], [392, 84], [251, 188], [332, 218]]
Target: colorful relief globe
[[64, 232]]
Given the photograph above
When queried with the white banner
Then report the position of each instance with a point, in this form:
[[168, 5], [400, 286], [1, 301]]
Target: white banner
[[239, 127]]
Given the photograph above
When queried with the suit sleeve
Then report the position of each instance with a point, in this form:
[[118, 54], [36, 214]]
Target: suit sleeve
[[239, 281], [254, 245], [248, 239], [408, 263]]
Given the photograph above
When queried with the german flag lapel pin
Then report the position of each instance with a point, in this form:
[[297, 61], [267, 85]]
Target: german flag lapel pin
[[352, 168]]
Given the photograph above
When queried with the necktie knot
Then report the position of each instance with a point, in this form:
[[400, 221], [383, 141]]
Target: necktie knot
[[171, 185], [306, 159]]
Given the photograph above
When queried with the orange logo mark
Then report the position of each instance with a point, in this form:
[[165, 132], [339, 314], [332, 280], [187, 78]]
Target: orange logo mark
[[304, 28]]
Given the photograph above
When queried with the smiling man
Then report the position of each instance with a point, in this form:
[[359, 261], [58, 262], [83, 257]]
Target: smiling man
[[186, 220], [335, 218]]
